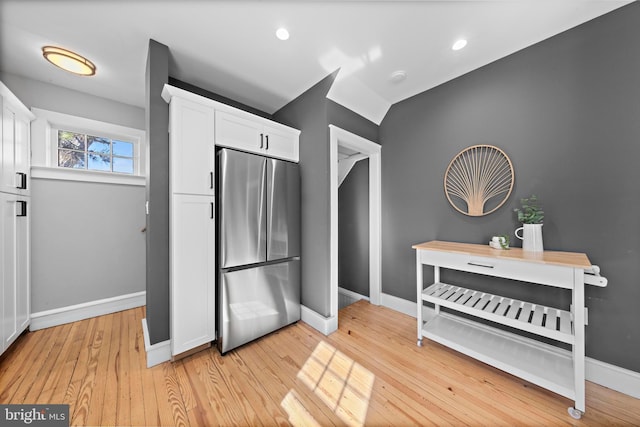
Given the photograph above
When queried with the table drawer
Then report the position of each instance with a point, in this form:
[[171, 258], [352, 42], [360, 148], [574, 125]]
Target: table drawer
[[546, 274]]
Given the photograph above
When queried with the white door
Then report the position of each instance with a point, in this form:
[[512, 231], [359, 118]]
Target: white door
[[192, 272], [7, 180], [239, 132], [9, 284], [22, 254], [192, 147], [281, 144]]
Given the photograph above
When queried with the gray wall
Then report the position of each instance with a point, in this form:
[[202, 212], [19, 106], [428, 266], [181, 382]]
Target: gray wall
[[34, 93], [566, 112], [308, 113], [353, 230], [157, 193], [312, 113], [86, 242]]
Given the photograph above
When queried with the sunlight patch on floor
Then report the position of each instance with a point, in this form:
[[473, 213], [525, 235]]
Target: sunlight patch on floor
[[298, 414], [341, 383]]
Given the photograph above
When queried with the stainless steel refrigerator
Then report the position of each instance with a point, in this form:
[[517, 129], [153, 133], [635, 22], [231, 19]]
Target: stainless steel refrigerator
[[258, 283]]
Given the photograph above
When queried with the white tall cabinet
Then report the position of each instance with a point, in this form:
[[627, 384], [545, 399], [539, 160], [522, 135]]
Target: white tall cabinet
[[192, 230], [196, 125], [15, 202]]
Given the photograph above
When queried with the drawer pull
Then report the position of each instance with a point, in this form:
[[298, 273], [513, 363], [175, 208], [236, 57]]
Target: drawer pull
[[475, 264]]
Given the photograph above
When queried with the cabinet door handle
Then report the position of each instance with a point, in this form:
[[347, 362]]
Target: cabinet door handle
[[23, 180], [22, 210], [475, 264], [211, 209], [211, 180], [261, 140], [267, 138]]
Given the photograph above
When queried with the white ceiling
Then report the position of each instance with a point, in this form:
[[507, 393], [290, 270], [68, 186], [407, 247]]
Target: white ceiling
[[229, 47]]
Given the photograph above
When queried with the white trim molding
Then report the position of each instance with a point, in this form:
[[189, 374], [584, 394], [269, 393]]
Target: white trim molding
[[341, 137], [157, 353], [74, 313], [613, 377], [351, 294], [66, 174], [44, 147], [324, 325], [607, 375]]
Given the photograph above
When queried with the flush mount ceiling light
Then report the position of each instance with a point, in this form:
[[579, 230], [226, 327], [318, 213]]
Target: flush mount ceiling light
[[282, 33], [459, 44], [69, 61]]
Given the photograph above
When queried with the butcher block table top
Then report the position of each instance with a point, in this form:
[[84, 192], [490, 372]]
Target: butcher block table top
[[568, 259]]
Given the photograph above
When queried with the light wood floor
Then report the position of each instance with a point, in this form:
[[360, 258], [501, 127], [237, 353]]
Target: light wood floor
[[369, 372]]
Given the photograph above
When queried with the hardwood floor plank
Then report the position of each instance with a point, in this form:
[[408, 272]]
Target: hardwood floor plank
[[142, 394], [369, 372], [85, 387], [110, 402], [124, 371]]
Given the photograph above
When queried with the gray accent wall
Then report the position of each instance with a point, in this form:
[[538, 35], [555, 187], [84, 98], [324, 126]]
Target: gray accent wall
[[86, 243], [353, 230], [157, 193], [312, 113], [566, 111]]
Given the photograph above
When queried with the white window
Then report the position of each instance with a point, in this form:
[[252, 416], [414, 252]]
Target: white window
[[98, 153], [74, 148]]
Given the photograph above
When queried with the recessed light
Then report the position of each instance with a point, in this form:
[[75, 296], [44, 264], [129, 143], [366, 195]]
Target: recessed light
[[459, 44], [69, 61], [398, 76], [282, 33]]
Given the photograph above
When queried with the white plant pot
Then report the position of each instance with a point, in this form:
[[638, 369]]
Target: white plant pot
[[531, 237]]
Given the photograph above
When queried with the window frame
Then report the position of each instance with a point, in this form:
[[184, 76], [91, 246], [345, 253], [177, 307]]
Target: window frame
[[117, 138], [44, 132]]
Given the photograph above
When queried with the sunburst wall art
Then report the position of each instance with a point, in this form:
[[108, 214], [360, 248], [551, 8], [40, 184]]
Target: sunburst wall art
[[479, 180]]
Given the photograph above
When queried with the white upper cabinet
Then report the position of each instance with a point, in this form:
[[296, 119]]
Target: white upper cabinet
[[241, 130], [15, 144], [191, 147], [257, 135]]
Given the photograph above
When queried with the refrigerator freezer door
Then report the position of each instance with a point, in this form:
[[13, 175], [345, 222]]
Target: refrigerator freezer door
[[283, 209], [242, 208], [256, 301]]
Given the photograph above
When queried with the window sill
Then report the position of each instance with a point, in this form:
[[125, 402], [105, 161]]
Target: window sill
[[43, 172]]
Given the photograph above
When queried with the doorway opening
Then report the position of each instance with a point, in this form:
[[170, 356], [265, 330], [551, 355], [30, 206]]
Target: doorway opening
[[353, 145]]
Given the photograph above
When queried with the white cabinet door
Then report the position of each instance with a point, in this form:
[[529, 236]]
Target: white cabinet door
[[23, 263], [192, 272], [238, 132], [7, 180], [9, 315], [281, 143], [22, 152], [256, 135], [191, 147], [15, 267]]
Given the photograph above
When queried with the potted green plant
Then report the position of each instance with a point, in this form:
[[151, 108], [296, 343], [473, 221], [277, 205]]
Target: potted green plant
[[530, 214]]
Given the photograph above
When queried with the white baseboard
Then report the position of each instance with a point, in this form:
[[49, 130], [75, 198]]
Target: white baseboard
[[351, 294], [398, 304], [607, 375], [613, 377], [157, 353], [324, 325], [73, 313]]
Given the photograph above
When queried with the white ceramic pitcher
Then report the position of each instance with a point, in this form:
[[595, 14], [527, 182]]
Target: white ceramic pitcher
[[531, 237]]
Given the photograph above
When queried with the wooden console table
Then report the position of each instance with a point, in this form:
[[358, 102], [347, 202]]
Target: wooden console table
[[548, 366]]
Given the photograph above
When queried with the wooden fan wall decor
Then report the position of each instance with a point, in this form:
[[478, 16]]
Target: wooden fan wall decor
[[479, 178]]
